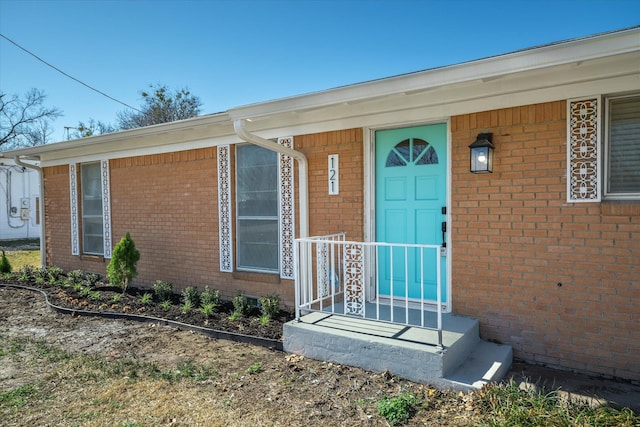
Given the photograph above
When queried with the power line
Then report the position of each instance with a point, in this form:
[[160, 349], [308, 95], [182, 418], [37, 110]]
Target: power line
[[67, 75]]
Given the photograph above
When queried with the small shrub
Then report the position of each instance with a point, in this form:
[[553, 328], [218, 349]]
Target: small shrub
[[166, 304], [146, 298], [192, 295], [163, 290], [234, 316], [54, 273], [186, 307], [75, 277], [41, 273], [122, 267], [241, 305], [269, 305], [116, 298], [92, 278], [208, 309], [210, 297], [264, 320], [397, 410], [5, 265], [94, 295], [26, 272]]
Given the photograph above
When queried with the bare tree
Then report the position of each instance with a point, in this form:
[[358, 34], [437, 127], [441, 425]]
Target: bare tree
[[161, 106], [25, 121], [92, 128], [38, 133]]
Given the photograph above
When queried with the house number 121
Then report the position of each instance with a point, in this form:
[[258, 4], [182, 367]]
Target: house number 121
[[334, 181]]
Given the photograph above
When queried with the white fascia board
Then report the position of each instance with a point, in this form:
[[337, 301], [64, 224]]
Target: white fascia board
[[574, 51], [568, 81], [83, 156], [166, 133]]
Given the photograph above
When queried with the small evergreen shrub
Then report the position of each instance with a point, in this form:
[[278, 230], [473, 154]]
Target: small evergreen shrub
[[92, 279], [190, 294], [163, 290], [210, 297], [5, 265], [269, 305], [241, 305], [122, 267]]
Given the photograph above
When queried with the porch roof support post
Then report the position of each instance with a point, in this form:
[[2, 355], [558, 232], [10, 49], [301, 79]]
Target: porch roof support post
[[301, 159]]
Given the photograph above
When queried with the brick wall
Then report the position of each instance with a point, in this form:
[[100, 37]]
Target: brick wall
[[558, 281], [345, 211], [168, 203]]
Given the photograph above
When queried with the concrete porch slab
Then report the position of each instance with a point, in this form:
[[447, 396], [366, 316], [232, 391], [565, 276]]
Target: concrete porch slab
[[406, 351]]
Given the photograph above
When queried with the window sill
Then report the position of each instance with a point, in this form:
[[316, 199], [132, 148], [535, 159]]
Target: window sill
[[92, 258]]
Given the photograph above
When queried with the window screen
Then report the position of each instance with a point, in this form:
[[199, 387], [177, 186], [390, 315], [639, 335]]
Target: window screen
[[92, 232], [624, 146], [257, 208]]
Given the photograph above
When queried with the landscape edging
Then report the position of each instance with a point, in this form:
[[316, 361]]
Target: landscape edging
[[213, 333]]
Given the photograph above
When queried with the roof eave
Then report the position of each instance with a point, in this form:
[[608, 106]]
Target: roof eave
[[561, 53], [34, 153]]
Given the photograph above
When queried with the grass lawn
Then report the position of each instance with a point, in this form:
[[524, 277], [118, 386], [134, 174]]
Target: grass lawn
[[19, 259]]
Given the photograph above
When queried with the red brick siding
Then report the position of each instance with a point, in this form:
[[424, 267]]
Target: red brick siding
[[515, 238], [344, 211], [168, 203]]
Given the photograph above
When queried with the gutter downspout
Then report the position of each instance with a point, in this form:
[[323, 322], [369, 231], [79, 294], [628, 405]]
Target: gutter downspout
[[43, 246], [303, 164]]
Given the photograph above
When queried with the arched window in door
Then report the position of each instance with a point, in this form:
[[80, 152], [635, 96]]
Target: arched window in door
[[412, 151]]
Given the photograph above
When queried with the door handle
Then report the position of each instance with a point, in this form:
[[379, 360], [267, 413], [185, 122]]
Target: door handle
[[444, 230]]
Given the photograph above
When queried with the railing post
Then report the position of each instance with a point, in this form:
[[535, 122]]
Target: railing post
[[296, 268], [439, 296]]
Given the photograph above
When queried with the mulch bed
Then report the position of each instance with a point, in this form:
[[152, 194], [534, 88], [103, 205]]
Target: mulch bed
[[130, 303]]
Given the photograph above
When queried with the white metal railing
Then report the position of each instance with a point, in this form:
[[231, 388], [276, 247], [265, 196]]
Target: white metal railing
[[387, 282]]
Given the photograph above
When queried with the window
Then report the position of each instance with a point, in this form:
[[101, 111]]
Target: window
[[257, 209], [623, 147], [92, 226]]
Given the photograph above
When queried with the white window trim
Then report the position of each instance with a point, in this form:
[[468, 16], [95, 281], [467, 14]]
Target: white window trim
[[277, 217], [74, 197]]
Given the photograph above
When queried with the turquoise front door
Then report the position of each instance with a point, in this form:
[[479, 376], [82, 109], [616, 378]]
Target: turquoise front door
[[411, 192]]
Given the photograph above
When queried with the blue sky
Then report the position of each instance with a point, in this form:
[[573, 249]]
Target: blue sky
[[233, 53]]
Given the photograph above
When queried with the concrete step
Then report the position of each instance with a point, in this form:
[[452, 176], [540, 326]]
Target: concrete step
[[487, 362], [405, 351]]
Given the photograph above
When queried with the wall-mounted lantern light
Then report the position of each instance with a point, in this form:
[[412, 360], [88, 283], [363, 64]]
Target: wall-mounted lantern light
[[482, 154]]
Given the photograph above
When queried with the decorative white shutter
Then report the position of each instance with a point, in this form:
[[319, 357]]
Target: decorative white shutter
[[287, 210], [73, 199], [225, 230], [106, 207], [584, 175]]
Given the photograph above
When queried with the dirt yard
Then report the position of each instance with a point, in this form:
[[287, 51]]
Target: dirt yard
[[286, 390], [63, 370]]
